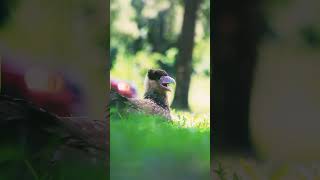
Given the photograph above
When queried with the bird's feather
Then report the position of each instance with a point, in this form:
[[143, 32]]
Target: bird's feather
[[33, 129], [155, 101]]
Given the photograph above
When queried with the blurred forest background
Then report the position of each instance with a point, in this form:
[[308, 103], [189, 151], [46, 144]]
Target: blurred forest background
[[266, 89], [168, 34], [60, 34]]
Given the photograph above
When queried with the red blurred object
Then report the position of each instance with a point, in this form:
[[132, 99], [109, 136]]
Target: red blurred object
[[51, 91], [124, 88]]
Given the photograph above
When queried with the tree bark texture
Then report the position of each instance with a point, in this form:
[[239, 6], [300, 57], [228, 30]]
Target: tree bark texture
[[183, 64]]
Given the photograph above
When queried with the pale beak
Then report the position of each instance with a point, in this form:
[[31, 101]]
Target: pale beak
[[165, 81]]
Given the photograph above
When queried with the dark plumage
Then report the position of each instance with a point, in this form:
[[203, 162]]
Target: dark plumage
[[155, 100], [34, 129]]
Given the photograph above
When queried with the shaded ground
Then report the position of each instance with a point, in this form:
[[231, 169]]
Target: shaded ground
[[239, 167]]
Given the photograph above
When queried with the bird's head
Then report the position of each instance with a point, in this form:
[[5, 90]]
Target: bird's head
[[158, 80]]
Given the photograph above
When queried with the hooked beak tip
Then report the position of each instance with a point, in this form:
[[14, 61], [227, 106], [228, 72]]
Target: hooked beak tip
[[165, 81]]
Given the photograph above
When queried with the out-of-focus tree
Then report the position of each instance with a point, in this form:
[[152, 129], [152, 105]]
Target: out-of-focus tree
[[163, 34], [183, 64], [204, 14], [238, 28], [147, 33]]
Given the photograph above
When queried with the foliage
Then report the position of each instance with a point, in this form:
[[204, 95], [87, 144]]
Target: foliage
[[146, 147], [201, 57], [205, 17], [138, 23]]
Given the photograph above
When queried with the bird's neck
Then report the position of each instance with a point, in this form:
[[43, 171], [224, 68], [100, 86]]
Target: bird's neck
[[158, 98]]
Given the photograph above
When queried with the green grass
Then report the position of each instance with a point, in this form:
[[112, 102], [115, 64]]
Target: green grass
[[185, 119], [148, 147], [38, 168]]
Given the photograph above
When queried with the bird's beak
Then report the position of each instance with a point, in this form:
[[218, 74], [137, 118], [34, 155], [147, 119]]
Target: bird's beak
[[165, 81]]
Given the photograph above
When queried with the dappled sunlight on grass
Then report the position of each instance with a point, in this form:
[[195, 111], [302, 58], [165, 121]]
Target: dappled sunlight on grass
[[191, 120]]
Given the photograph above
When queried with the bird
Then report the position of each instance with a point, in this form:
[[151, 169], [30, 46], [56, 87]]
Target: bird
[[155, 98], [43, 136]]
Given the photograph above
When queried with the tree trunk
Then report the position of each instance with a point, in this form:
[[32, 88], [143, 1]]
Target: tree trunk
[[183, 64], [237, 31]]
